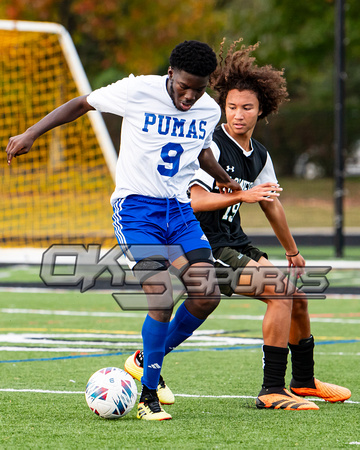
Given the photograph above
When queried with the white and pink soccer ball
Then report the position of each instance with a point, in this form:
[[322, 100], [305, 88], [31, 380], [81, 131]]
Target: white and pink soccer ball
[[111, 393]]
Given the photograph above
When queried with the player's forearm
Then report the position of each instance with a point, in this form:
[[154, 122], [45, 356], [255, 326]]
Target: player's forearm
[[211, 201], [203, 200], [276, 216], [212, 167], [65, 113]]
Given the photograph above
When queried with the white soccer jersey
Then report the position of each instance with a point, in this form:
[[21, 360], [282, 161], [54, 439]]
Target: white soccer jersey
[[159, 143]]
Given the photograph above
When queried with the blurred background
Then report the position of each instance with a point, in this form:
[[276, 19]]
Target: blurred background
[[118, 37]]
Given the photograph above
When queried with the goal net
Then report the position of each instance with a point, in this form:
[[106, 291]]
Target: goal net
[[59, 192]]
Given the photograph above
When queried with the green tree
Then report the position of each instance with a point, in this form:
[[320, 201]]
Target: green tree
[[117, 37], [299, 36]]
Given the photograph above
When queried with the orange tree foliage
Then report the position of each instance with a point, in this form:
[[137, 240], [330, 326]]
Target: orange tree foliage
[[130, 36]]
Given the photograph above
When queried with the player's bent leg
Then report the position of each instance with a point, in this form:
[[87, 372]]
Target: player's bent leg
[[155, 329], [301, 354], [300, 319], [277, 319], [276, 326], [276, 322], [181, 327], [202, 289]]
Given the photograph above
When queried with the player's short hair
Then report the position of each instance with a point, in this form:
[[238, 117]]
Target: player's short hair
[[239, 71], [194, 57]]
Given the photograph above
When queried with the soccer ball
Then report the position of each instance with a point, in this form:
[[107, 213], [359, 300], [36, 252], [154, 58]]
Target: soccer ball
[[111, 393]]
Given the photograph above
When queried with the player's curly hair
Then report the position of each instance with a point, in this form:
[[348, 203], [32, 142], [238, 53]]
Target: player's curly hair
[[239, 71], [194, 57]]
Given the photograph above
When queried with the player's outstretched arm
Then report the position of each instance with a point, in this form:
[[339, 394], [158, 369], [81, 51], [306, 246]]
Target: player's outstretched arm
[[275, 214], [21, 144], [203, 200]]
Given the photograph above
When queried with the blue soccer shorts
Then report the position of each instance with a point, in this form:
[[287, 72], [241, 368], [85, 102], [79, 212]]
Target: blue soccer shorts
[[159, 228]]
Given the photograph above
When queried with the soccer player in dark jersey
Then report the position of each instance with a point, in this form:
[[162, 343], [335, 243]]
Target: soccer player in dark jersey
[[246, 94]]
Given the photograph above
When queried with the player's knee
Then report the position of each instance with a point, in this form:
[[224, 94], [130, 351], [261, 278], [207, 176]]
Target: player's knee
[[280, 304], [209, 303], [300, 308], [149, 267], [161, 315], [201, 307]]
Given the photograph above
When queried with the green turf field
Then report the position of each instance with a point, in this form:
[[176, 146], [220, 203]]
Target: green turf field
[[51, 342]]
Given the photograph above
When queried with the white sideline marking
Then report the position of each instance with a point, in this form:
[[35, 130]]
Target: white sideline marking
[[100, 350], [29, 256], [50, 312], [28, 290], [51, 350], [337, 353], [202, 339], [45, 391], [42, 391], [20, 337], [120, 314]]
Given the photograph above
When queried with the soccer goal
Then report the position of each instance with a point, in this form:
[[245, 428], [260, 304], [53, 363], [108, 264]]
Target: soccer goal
[[59, 192]]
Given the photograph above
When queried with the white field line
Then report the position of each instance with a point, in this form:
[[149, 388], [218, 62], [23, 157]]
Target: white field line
[[41, 339], [120, 314], [42, 391], [136, 345], [50, 312], [51, 350], [30, 256], [97, 335], [38, 337], [29, 290], [337, 353], [46, 391]]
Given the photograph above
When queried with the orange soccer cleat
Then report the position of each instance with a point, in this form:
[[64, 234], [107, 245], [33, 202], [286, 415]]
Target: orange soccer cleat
[[316, 388], [283, 400]]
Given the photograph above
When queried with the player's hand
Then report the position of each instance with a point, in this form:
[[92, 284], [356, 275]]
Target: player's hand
[[296, 265], [18, 145], [231, 185], [262, 192]]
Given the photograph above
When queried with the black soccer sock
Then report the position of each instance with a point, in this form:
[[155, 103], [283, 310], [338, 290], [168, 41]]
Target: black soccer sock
[[147, 393], [302, 359], [275, 362]]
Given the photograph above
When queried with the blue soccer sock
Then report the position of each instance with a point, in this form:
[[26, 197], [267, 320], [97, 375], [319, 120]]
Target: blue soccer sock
[[181, 327], [154, 335]]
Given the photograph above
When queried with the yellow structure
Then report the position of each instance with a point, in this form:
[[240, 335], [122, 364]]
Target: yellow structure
[[59, 192]]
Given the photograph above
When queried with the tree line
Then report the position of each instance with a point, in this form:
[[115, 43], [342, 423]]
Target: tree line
[[118, 37]]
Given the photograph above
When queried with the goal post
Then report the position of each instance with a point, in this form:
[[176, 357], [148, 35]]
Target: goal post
[[59, 192]]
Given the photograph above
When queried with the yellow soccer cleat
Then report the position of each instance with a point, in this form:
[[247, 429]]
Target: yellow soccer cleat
[[283, 400], [316, 388], [149, 407], [134, 366]]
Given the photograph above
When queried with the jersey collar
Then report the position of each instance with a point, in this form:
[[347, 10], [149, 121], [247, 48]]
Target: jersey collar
[[247, 154]]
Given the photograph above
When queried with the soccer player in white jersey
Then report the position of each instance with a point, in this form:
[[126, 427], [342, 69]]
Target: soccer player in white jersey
[[247, 93], [166, 133]]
